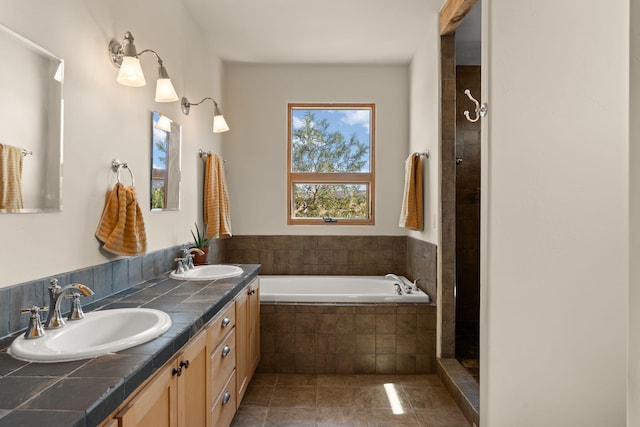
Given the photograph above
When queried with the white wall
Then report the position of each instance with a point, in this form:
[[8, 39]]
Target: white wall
[[256, 147], [634, 219], [424, 128], [556, 188], [104, 120]]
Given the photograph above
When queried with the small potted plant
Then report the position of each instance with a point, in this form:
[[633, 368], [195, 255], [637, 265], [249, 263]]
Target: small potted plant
[[200, 241]]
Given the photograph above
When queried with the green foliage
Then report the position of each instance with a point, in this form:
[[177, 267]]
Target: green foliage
[[157, 198], [199, 239], [315, 149]]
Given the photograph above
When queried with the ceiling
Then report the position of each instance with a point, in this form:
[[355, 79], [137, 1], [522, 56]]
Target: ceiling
[[308, 31]]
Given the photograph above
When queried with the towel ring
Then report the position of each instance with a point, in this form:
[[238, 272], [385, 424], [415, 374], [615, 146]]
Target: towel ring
[[116, 165]]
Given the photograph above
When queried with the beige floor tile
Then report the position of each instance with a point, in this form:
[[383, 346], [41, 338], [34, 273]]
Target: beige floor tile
[[250, 416], [341, 417], [291, 417], [258, 395], [338, 380], [386, 418], [294, 397], [441, 418], [264, 379], [333, 397], [430, 398], [296, 380]]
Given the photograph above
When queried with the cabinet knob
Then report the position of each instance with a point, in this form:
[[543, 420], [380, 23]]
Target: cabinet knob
[[226, 350], [226, 397], [225, 322], [184, 364], [176, 371]]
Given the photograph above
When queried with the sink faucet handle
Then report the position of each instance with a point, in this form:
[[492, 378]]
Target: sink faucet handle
[[35, 329], [180, 268], [76, 313]]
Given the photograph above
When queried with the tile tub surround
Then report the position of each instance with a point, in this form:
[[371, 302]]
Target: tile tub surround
[[338, 255], [85, 392], [347, 339]]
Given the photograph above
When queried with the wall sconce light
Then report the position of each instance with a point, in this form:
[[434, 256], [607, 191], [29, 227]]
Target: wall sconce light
[[164, 123], [125, 57], [219, 123]]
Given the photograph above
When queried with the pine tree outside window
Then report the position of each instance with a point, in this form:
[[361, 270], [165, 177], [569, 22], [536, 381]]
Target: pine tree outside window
[[331, 164]]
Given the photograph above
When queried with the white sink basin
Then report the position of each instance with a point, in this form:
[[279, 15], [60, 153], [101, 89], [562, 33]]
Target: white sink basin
[[208, 272], [99, 333]]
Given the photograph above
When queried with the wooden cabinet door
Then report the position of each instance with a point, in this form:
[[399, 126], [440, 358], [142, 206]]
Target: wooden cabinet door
[[192, 383], [242, 343], [254, 326], [156, 405]]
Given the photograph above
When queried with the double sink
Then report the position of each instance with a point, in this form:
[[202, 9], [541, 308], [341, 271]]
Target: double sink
[[107, 331]]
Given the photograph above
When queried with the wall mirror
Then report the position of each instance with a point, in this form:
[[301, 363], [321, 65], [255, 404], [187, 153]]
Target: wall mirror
[[166, 136], [31, 111]]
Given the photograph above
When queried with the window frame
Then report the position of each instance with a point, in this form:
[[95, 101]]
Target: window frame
[[367, 178]]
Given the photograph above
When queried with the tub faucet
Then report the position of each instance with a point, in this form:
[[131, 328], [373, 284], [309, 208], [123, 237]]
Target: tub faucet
[[56, 292]]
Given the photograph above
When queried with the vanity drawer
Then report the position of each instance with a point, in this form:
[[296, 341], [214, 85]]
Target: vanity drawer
[[223, 362], [221, 325], [224, 408]]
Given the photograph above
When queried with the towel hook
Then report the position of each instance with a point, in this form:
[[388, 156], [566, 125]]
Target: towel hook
[[116, 165], [481, 109]]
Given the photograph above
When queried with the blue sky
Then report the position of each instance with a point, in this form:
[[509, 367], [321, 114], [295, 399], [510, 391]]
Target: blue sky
[[346, 122]]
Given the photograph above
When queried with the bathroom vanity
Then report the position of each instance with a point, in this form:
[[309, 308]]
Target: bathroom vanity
[[195, 374], [203, 384]]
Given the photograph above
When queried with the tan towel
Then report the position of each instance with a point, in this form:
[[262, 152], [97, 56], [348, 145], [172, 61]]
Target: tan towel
[[217, 214], [10, 177], [121, 227], [411, 215]]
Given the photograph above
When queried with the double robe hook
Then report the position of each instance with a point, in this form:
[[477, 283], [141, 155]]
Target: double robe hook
[[481, 109]]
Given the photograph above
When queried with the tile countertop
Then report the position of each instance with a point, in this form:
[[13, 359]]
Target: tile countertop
[[84, 392]]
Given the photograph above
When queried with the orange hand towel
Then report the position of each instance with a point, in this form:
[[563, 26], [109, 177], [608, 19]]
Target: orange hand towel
[[217, 214], [411, 215], [10, 177], [121, 227]]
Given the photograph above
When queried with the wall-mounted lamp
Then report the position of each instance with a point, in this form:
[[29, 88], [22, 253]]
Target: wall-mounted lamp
[[164, 123], [219, 123], [125, 57]]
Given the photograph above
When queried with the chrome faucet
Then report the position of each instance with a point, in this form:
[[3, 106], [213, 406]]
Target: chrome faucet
[[187, 255], [408, 289], [35, 329], [180, 269], [56, 292]]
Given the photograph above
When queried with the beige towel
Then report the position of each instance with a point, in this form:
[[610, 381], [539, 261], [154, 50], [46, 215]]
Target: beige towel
[[121, 227], [217, 214], [10, 177], [411, 215]]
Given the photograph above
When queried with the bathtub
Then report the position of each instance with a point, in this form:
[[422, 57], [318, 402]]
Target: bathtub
[[336, 289]]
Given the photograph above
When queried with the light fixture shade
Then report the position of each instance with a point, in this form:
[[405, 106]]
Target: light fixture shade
[[219, 124], [130, 73], [165, 91], [164, 123]]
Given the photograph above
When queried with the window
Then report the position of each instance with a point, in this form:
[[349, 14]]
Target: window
[[331, 164]]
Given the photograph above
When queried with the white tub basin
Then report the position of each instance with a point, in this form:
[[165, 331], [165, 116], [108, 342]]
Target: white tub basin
[[99, 333], [208, 272]]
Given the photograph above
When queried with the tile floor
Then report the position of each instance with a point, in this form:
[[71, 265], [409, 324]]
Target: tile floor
[[347, 400]]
